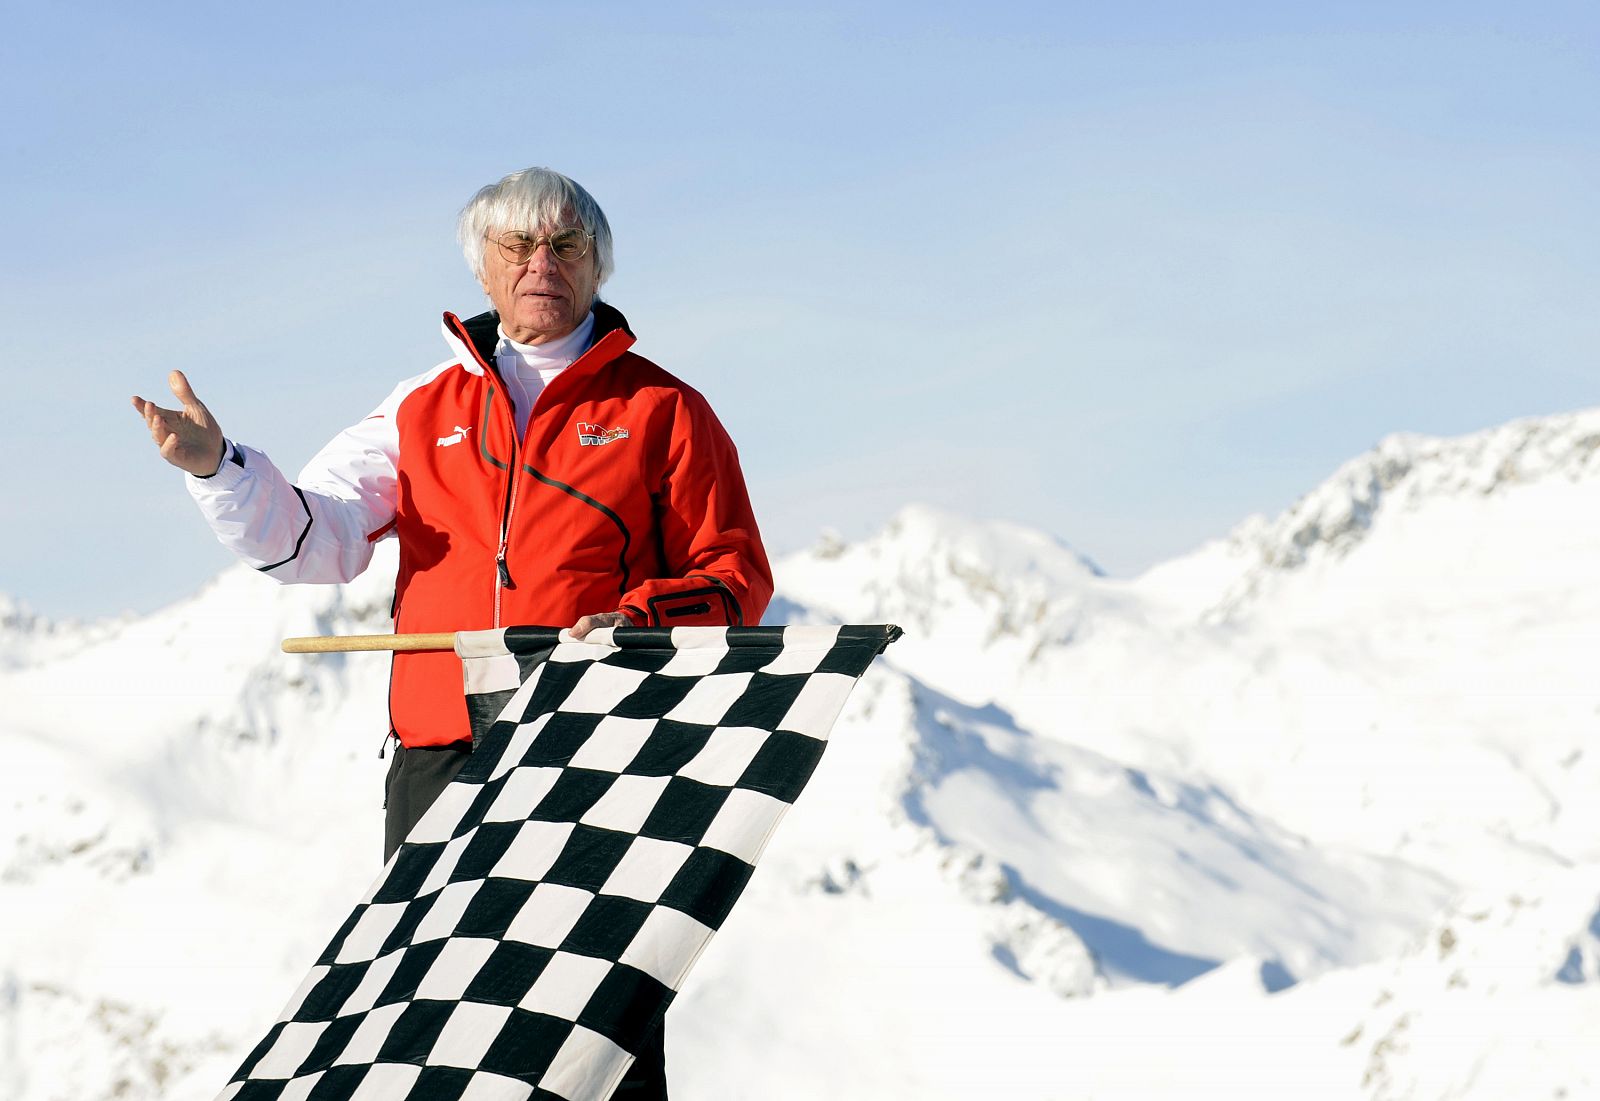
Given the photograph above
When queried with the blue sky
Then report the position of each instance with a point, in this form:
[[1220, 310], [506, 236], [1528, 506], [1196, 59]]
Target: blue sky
[[1125, 273]]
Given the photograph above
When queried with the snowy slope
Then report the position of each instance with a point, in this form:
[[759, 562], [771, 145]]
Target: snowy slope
[[1310, 812], [186, 814]]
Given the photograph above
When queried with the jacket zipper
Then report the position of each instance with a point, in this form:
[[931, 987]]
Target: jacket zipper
[[503, 579], [502, 571]]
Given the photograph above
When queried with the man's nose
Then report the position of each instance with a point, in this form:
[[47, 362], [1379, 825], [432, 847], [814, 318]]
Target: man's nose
[[543, 258]]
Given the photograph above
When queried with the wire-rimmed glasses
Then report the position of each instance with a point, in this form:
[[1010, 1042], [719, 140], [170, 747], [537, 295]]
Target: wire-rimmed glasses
[[568, 243]]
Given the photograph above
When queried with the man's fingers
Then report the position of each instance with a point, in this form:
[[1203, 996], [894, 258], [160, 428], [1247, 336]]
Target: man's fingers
[[192, 406], [179, 382], [151, 412], [589, 623], [159, 420], [605, 619]]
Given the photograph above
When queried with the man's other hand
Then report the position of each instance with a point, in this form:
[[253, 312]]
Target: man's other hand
[[189, 438], [604, 619]]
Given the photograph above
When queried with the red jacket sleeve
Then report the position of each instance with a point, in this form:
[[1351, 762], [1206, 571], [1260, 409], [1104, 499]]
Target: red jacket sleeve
[[716, 568]]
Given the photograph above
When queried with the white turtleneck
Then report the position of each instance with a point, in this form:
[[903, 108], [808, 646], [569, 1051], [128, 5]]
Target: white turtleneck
[[528, 368]]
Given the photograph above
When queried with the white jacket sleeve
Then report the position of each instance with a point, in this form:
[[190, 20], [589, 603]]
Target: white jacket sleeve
[[321, 529]]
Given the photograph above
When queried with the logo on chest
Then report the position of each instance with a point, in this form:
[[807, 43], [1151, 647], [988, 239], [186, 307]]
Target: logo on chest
[[455, 437], [593, 435]]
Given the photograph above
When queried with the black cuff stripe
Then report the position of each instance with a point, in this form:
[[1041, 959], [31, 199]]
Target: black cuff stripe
[[298, 543]]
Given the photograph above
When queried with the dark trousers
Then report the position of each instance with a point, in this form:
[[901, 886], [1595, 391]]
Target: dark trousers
[[416, 777]]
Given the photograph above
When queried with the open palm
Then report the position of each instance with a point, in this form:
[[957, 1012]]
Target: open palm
[[189, 437]]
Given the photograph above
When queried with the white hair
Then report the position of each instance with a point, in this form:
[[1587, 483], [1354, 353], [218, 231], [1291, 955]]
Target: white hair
[[532, 199]]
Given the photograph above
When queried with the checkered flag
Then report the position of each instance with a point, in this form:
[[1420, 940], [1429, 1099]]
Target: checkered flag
[[528, 935]]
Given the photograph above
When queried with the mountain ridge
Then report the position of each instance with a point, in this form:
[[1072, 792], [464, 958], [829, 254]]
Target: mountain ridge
[[1063, 805]]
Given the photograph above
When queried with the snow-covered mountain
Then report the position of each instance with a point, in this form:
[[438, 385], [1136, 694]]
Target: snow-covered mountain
[[1310, 812]]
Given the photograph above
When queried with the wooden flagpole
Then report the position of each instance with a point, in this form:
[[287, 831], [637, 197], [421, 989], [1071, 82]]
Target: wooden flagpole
[[329, 644]]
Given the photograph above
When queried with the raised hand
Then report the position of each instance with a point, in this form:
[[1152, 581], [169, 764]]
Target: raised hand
[[189, 438]]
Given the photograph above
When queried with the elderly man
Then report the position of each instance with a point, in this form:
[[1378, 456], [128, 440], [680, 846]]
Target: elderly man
[[543, 473]]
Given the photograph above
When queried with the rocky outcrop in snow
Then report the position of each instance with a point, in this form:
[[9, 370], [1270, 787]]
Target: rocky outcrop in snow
[[1406, 474]]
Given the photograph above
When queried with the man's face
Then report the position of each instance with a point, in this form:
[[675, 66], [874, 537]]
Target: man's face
[[543, 298]]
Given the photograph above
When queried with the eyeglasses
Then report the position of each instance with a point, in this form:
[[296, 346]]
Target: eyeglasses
[[565, 244]]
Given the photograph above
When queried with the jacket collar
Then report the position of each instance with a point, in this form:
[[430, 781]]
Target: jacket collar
[[473, 340]]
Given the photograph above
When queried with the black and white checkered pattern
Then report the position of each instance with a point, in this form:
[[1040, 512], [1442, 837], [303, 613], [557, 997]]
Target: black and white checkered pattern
[[533, 928]]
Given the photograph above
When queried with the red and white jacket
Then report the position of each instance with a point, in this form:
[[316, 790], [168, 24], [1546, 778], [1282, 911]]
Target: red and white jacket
[[625, 493]]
